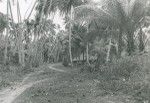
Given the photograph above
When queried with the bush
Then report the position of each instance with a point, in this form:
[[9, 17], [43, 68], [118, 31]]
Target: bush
[[4, 84], [87, 68], [65, 62], [125, 76], [121, 69], [139, 90], [14, 58]]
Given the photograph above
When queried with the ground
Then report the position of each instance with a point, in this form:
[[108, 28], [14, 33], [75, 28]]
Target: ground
[[54, 83]]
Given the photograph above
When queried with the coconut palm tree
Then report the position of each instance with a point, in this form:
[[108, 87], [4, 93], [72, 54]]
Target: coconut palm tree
[[122, 14], [79, 40], [66, 7]]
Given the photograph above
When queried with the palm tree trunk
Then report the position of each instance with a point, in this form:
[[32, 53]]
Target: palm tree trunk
[[87, 53], [130, 45], [141, 42], [18, 11], [22, 52], [10, 8], [21, 34], [83, 55], [6, 37], [31, 10], [70, 33], [120, 43], [108, 51], [70, 52], [6, 45]]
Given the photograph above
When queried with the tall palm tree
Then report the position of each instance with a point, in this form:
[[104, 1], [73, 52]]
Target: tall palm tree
[[66, 7], [122, 14]]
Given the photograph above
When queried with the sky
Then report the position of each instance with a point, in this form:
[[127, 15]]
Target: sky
[[24, 6]]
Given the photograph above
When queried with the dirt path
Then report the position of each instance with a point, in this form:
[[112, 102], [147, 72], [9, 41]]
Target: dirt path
[[56, 69], [10, 94]]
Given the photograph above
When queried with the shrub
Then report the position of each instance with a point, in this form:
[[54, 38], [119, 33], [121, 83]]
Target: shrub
[[139, 90], [125, 76], [4, 84], [65, 62], [121, 69], [87, 68]]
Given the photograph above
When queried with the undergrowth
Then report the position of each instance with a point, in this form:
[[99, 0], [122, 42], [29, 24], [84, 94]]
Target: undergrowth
[[10, 75], [124, 76]]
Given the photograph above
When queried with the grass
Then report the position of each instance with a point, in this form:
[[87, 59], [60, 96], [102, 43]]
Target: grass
[[91, 87], [60, 90], [65, 90], [70, 88], [11, 75]]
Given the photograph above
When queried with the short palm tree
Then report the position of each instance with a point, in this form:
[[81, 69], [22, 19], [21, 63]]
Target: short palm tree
[[79, 39]]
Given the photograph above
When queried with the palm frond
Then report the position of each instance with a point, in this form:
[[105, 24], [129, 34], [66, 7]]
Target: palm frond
[[91, 12], [85, 12]]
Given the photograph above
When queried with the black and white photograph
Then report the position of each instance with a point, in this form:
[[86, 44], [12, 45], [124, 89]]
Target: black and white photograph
[[74, 51]]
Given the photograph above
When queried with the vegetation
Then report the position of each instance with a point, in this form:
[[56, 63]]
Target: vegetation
[[115, 25], [104, 48]]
